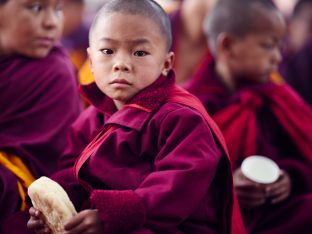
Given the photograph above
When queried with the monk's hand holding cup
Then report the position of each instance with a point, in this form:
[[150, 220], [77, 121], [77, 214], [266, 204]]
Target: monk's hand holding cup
[[279, 190], [250, 194]]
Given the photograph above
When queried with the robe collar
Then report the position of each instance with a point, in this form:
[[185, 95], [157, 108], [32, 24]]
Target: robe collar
[[143, 103]]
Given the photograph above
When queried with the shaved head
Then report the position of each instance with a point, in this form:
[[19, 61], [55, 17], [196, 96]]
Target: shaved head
[[147, 8], [238, 18]]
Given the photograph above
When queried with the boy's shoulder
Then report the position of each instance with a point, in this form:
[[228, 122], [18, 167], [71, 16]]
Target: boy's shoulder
[[174, 111], [56, 62]]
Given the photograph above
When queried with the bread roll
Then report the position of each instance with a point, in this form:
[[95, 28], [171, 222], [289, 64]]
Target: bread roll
[[51, 199]]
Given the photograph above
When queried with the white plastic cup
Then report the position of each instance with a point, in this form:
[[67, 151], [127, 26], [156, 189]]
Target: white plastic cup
[[260, 169]]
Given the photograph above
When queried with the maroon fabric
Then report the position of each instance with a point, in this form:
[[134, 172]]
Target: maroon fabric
[[9, 195], [121, 211], [16, 224], [180, 96], [39, 100], [270, 120], [168, 157]]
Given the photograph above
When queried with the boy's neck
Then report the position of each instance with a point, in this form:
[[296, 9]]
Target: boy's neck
[[119, 105], [225, 76]]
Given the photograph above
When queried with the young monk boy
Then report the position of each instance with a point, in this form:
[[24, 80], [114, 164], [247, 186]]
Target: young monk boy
[[38, 96], [149, 161], [258, 116]]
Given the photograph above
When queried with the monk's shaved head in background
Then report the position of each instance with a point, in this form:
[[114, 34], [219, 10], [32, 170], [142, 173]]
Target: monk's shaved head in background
[[238, 18], [147, 8]]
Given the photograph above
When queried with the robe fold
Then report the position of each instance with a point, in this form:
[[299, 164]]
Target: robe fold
[[39, 100], [271, 120], [155, 166]]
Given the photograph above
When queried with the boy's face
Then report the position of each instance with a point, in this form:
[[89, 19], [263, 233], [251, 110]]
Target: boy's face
[[127, 54], [255, 56], [30, 27]]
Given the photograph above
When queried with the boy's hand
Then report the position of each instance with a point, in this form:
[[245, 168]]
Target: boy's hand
[[250, 194], [86, 221], [36, 222], [279, 190]]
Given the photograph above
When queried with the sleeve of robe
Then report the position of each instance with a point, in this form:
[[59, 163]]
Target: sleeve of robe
[[184, 169]]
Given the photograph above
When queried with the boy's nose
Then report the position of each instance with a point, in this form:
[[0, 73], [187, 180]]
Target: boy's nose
[[52, 19], [121, 66], [277, 56]]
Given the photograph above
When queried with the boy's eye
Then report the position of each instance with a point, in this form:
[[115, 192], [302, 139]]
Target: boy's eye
[[107, 51], [36, 7], [140, 53]]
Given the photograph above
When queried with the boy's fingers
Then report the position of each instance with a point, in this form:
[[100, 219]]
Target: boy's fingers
[[250, 194], [74, 221], [278, 188], [280, 198], [34, 212], [35, 223], [43, 231], [76, 230], [251, 204]]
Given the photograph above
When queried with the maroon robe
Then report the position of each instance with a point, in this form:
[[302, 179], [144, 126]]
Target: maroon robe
[[271, 120], [39, 100], [156, 165]]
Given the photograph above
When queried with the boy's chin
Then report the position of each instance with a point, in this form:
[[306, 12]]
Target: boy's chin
[[38, 53]]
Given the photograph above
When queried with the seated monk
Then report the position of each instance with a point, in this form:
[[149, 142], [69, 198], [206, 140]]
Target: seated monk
[[258, 116], [38, 97]]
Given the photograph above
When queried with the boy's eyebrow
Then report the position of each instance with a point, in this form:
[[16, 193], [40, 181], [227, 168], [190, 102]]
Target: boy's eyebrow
[[140, 41], [135, 42]]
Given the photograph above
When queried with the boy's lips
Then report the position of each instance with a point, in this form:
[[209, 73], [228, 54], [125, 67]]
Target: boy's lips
[[45, 41], [120, 81]]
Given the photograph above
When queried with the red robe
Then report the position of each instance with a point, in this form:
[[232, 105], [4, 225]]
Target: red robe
[[156, 165], [271, 120], [39, 100]]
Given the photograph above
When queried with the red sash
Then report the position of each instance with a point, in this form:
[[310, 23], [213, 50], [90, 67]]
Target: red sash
[[92, 147], [239, 126]]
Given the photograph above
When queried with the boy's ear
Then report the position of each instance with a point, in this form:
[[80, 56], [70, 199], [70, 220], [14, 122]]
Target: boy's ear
[[168, 63], [225, 43]]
